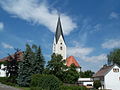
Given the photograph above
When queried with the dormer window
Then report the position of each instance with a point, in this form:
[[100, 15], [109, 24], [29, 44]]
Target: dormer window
[[115, 70]]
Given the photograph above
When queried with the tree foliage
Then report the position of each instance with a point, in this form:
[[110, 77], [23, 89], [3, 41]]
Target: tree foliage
[[71, 75], [97, 84], [114, 57], [57, 67], [86, 74], [12, 66], [32, 63]]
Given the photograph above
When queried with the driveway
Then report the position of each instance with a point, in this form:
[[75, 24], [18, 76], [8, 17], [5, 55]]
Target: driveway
[[5, 87]]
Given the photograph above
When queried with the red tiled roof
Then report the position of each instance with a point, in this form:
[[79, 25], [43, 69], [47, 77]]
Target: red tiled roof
[[102, 71], [7, 58], [71, 60]]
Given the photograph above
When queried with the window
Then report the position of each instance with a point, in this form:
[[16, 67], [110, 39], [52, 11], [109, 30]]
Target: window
[[115, 69], [60, 48], [89, 84], [61, 43]]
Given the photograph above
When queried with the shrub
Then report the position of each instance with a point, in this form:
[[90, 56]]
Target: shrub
[[97, 84], [73, 88], [36, 88], [6, 80], [3, 79], [47, 82]]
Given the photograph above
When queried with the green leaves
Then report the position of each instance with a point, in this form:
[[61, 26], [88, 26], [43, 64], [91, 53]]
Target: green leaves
[[114, 57], [47, 82], [57, 67]]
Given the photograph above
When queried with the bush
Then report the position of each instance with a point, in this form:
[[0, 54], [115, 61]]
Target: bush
[[97, 84], [6, 80], [73, 88], [47, 82], [36, 88], [3, 79]]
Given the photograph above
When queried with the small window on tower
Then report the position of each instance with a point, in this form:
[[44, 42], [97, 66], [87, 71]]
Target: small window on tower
[[61, 43], [60, 48]]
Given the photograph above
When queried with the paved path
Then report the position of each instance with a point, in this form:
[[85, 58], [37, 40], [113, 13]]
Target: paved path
[[5, 87]]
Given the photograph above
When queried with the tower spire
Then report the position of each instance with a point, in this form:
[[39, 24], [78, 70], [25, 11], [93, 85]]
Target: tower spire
[[59, 46], [59, 31]]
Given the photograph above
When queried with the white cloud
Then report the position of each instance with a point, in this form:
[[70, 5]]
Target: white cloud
[[113, 43], [7, 46], [114, 15], [101, 57], [84, 54], [79, 51], [38, 12], [1, 26]]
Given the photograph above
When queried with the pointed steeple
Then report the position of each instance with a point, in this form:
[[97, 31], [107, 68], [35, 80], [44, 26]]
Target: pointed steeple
[[59, 31]]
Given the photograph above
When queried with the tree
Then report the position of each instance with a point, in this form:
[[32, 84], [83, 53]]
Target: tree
[[12, 66], [32, 63], [114, 57], [86, 74], [97, 84], [71, 75], [25, 68], [56, 66], [39, 62]]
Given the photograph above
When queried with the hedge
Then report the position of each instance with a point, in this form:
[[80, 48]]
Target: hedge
[[6, 80], [46, 82], [73, 88]]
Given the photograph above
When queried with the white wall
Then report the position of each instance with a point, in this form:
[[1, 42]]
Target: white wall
[[2, 72], [56, 47], [112, 80], [88, 82]]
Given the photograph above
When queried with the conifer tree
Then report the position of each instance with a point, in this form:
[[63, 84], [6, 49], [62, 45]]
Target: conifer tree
[[25, 68], [38, 64], [32, 63]]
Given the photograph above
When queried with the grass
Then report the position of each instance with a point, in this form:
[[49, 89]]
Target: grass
[[23, 88]]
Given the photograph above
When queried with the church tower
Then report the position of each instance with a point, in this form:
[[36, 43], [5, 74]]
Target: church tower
[[59, 46]]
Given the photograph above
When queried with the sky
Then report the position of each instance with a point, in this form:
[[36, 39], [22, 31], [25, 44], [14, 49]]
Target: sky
[[91, 28]]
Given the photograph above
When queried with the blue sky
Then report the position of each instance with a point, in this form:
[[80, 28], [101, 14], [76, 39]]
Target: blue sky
[[91, 27]]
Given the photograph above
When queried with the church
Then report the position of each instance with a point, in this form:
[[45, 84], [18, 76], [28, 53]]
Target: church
[[59, 46]]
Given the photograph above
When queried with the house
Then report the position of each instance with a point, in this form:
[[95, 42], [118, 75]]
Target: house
[[3, 60], [88, 82], [109, 77]]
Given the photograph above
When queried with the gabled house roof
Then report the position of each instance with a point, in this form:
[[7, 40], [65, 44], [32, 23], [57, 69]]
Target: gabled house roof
[[7, 58], [103, 71], [71, 60]]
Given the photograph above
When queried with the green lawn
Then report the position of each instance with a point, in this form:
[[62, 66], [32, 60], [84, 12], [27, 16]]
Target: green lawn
[[23, 88]]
